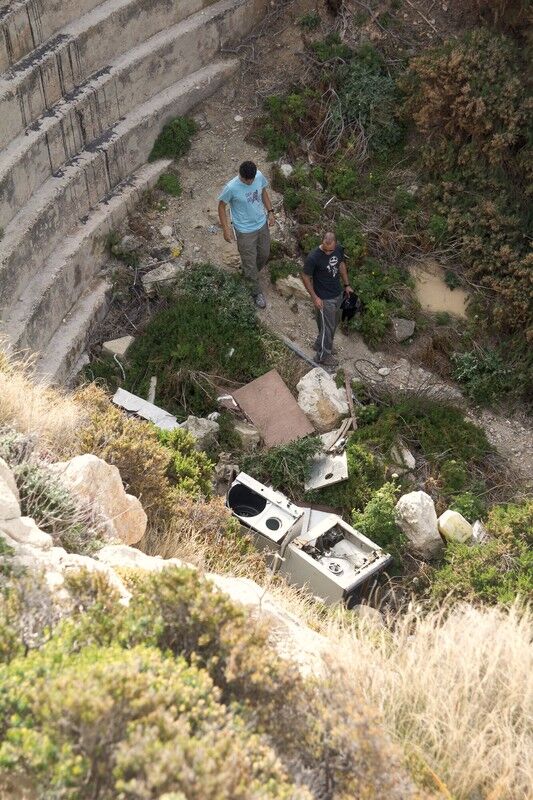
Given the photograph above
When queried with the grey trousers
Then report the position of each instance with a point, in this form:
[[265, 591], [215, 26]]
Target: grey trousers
[[327, 320], [254, 250]]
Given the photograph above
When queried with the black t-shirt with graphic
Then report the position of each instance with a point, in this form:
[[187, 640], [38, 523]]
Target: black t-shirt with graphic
[[324, 269]]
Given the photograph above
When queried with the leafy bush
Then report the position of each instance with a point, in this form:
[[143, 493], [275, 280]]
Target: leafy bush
[[483, 374], [174, 140], [309, 22], [170, 184], [377, 521], [285, 467], [206, 282], [365, 474], [512, 522], [374, 321], [331, 49], [190, 470], [351, 237], [469, 505], [368, 96], [284, 116], [44, 498], [153, 717], [343, 181], [282, 268]]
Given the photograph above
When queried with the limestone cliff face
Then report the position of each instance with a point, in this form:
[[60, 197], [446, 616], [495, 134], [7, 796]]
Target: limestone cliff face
[[85, 89]]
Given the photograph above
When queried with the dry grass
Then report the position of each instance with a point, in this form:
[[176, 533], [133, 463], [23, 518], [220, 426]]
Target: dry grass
[[455, 690], [32, 408]]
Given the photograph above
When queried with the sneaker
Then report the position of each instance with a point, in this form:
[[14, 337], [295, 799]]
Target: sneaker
[[328, 361], [260, 300]]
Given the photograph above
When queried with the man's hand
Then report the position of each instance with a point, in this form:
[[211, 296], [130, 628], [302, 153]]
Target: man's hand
[[227, 236], [318, 303], [348, 290], [271, 220]]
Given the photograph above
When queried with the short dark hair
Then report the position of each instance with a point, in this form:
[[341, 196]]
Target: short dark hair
[[248, 170]]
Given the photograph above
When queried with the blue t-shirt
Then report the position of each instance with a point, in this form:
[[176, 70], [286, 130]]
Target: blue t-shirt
[[246, 204]]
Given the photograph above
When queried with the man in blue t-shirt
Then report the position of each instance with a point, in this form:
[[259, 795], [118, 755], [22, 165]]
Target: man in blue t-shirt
[[251, 217], [324, 268]]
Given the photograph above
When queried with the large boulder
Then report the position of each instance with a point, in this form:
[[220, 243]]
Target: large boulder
[[121, 556], [292, 286], [204, 431], [9, 502], [319, 398], [99, 484], [402, 329], [402, 458], [249, 436], [24, 530], [454, 527], [416, 516]]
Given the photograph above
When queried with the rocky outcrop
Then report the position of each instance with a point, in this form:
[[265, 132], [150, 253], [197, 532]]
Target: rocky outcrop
[[454, 527], [416, 516], [97, 483], [203, 430], [9, 501], [319, 398]]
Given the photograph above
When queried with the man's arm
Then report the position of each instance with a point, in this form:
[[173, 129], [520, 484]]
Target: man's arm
[[223, 217], [267, 202], [344, 276], [308, 283]]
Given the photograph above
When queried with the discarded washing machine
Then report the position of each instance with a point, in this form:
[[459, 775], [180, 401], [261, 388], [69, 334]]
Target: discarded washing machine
[[310, 548]]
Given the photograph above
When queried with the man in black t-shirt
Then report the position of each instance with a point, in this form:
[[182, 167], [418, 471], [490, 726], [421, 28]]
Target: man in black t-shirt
[[323, 271]]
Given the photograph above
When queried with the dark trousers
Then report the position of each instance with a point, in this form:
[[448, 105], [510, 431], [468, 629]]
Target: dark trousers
[[327, 320]]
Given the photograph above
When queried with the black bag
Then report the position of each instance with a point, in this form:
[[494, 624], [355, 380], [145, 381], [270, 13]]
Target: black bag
[[350, 306]]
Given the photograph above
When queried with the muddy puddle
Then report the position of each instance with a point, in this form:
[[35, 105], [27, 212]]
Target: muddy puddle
[[434, 295]]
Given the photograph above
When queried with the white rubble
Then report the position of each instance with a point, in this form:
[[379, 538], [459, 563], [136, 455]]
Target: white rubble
[[118, 347], [402, 458], [9, 501], [164, 275], [205, 431], [319, 398], [402, 329], [454, 527], [7, 475], [248, 435], [292, 286], [286, 170], [99, 484], [416, 516], [480, 534]]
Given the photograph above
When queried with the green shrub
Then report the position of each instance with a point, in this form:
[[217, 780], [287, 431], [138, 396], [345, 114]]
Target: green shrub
[[369, 97], [285, 467], [483, 374], [190, 470], [374, 321], [331, 49], [351, 237], [343, 181], [129, 257], [365, 474], [309, 22], [512, 522], [206, 282], [377, 521], [130, 723], [44, 498], [170, 184], [488, 572], [469, 505], [282, 268], [174, 140]]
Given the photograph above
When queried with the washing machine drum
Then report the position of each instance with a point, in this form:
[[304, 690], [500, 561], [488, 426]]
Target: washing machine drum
[[244, 502]]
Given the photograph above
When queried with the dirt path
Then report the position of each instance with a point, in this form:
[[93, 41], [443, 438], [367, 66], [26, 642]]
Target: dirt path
[[215, 155]]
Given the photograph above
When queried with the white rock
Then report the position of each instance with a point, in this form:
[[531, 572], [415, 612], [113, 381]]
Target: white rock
[[118, 347], [480, 534], [384, 371], [402, 329], [166, 232], [204, 431], [248, 435], [238, 118], [454, 527], [25, 531], [286, 170], [7, 475], [292, 286], [319, 398], [9, 503], [120, 555], [402, 458], [164, 275], [416, 516], [98, 483]]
